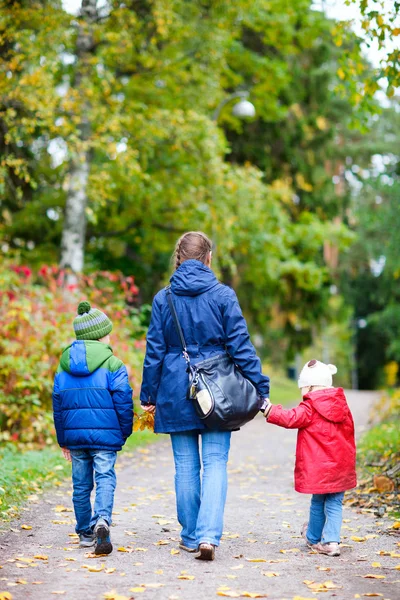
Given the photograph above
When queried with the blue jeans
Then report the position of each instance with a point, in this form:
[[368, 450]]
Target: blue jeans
[[200, 505], [325, 518], [89, 466]]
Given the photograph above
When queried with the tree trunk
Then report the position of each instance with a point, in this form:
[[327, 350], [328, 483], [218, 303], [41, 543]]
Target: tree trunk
[[74, 228]]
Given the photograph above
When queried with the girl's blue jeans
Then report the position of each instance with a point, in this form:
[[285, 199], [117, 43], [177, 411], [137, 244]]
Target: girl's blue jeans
[[325, 518], [200, 504], [89, 467]]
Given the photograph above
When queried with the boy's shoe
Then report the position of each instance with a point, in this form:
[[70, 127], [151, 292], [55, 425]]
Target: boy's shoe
[[102, 536], [206, 552], [86, 540], [186, 548], [304, 536], [330, 549]]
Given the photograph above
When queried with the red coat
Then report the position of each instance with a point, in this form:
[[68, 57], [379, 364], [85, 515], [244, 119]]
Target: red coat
[[326, 451]]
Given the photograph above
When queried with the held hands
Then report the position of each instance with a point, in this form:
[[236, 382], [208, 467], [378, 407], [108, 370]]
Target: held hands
[[266, 407], [150, 408], [66, 454]]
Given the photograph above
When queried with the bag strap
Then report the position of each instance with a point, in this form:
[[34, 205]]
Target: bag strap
[[177, 325]]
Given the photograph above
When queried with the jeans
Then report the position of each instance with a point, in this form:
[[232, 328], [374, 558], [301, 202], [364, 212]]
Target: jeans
[[200, 505], [89, 466], [325, 518]]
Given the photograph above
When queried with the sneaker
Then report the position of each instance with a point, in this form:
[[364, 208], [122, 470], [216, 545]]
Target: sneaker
[[186, 548], [206, 552], [330, 549], [304, 535], [102, 535], [86, 540]]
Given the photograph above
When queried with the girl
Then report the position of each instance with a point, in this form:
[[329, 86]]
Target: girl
[[325, 454]]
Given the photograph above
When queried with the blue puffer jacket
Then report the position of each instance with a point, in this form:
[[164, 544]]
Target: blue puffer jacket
[[92, 398], [212, 321]]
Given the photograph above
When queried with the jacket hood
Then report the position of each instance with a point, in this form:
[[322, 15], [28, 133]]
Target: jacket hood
[[330, 404], [83, 357], [192, 278]]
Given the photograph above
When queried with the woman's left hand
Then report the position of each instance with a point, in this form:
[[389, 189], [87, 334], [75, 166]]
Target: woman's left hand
[[150, 408]]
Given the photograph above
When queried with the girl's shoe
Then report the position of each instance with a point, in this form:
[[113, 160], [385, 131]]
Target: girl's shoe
[[86, 540], [206, 552], [186, 548], [304, 536], [102, 535], [330, 549]]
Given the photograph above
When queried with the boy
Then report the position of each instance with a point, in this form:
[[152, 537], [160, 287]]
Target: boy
[[93, 416], [325, 454]]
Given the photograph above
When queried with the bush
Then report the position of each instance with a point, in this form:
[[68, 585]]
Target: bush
[[36, 313]]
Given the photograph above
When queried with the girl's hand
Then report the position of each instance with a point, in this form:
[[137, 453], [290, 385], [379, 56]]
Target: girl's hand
[[66, 454], [150, 408]]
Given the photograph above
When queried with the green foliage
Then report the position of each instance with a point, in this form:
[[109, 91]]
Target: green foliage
[[381, 443], [36, 313]]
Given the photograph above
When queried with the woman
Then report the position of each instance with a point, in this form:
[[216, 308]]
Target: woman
[[212, 322]]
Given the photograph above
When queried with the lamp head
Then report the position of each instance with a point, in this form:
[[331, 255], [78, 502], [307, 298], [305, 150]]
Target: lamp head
[[244, 109]]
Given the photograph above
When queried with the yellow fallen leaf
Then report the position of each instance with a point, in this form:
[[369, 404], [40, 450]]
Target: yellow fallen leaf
[[110, 570], [113, 595], [163, 522], [372, 576], [190, 577], [358, 539], [237, 567], [323, 568], [94, 569], [160, 571], [70, 559], [59, 593], [397, 567], [37, 582], [174, 552], [26, 527], [252, 595], [376, 565], [137, 590], [270, 574], [256, 560], [141, 549], [396, 525], [60, 508], [161, 543], [372, 594], [228, 594], [152, 585], [21, 581], [123, 549], [5, 596], [41, 557]]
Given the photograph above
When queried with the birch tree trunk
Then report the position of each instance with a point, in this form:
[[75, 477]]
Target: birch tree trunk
[[74, 228]]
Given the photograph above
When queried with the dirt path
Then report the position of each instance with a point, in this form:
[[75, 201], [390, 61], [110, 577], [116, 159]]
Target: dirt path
[[262, 521]]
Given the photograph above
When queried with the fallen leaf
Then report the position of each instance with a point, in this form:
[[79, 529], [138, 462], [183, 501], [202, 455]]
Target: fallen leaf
[[141, 549], [252, 595], [358, 539], [161, 543], [137, 590], [26, 527], [110, 570], [270, 574], [237, 567], [160, 571], [376, 565], [372, 594], [396, 525], [228, 594], [94, 569], [41, 557], [152, 585], [323, 568], [190, 577], [372, 576], [59, 593], [113, 595], [256, 560], [123, 549], [174, 552], [5, 596]]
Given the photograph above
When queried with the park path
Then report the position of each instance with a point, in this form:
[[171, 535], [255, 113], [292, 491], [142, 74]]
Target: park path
[[262, 522]]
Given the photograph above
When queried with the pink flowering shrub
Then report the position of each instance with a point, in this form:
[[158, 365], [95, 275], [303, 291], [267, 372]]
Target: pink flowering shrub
[[36, 314]]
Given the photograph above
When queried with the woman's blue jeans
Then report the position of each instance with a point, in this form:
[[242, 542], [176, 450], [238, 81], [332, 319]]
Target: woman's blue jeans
[[325, 518], [89, 466], [200, 504]]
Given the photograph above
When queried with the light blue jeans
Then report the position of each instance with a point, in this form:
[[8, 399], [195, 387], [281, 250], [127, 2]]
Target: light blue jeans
[[325, 518], [89, 466], [200, 504]]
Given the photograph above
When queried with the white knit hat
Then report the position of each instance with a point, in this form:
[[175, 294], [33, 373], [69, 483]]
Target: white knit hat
[[316, 373]]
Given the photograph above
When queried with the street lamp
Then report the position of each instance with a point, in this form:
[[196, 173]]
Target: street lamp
[[242, 109]]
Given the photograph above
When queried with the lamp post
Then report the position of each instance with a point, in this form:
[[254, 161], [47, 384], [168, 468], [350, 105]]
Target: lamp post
[[242, 109]]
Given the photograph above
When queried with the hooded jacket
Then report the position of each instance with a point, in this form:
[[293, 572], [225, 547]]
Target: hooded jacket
[[92, 398], [212, 323], [326, 451]]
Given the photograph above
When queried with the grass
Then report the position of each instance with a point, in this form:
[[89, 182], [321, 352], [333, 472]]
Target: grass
[[283, 390], [30, 472], [381, 443]]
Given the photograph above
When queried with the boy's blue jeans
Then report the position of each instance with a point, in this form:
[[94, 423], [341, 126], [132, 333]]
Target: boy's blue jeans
[[325, 518], [200, 505], [89, 466]]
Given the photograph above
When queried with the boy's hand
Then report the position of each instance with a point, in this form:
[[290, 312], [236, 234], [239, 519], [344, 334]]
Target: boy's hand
[[150, 408], [66, 454]]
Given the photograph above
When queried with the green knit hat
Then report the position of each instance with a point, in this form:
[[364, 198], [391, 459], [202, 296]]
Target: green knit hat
[[91, 323]]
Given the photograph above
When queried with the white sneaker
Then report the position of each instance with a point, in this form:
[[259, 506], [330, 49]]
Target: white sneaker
[[330, 549]]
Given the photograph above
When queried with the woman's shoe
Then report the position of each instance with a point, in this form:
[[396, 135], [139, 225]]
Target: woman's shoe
[[206, 552], [186, 548], [102, 535], [304, 536], [330, 549]]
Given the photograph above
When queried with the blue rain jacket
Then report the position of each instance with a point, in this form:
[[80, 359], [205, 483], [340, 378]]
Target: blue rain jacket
[[212, 322], [92, 398]]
